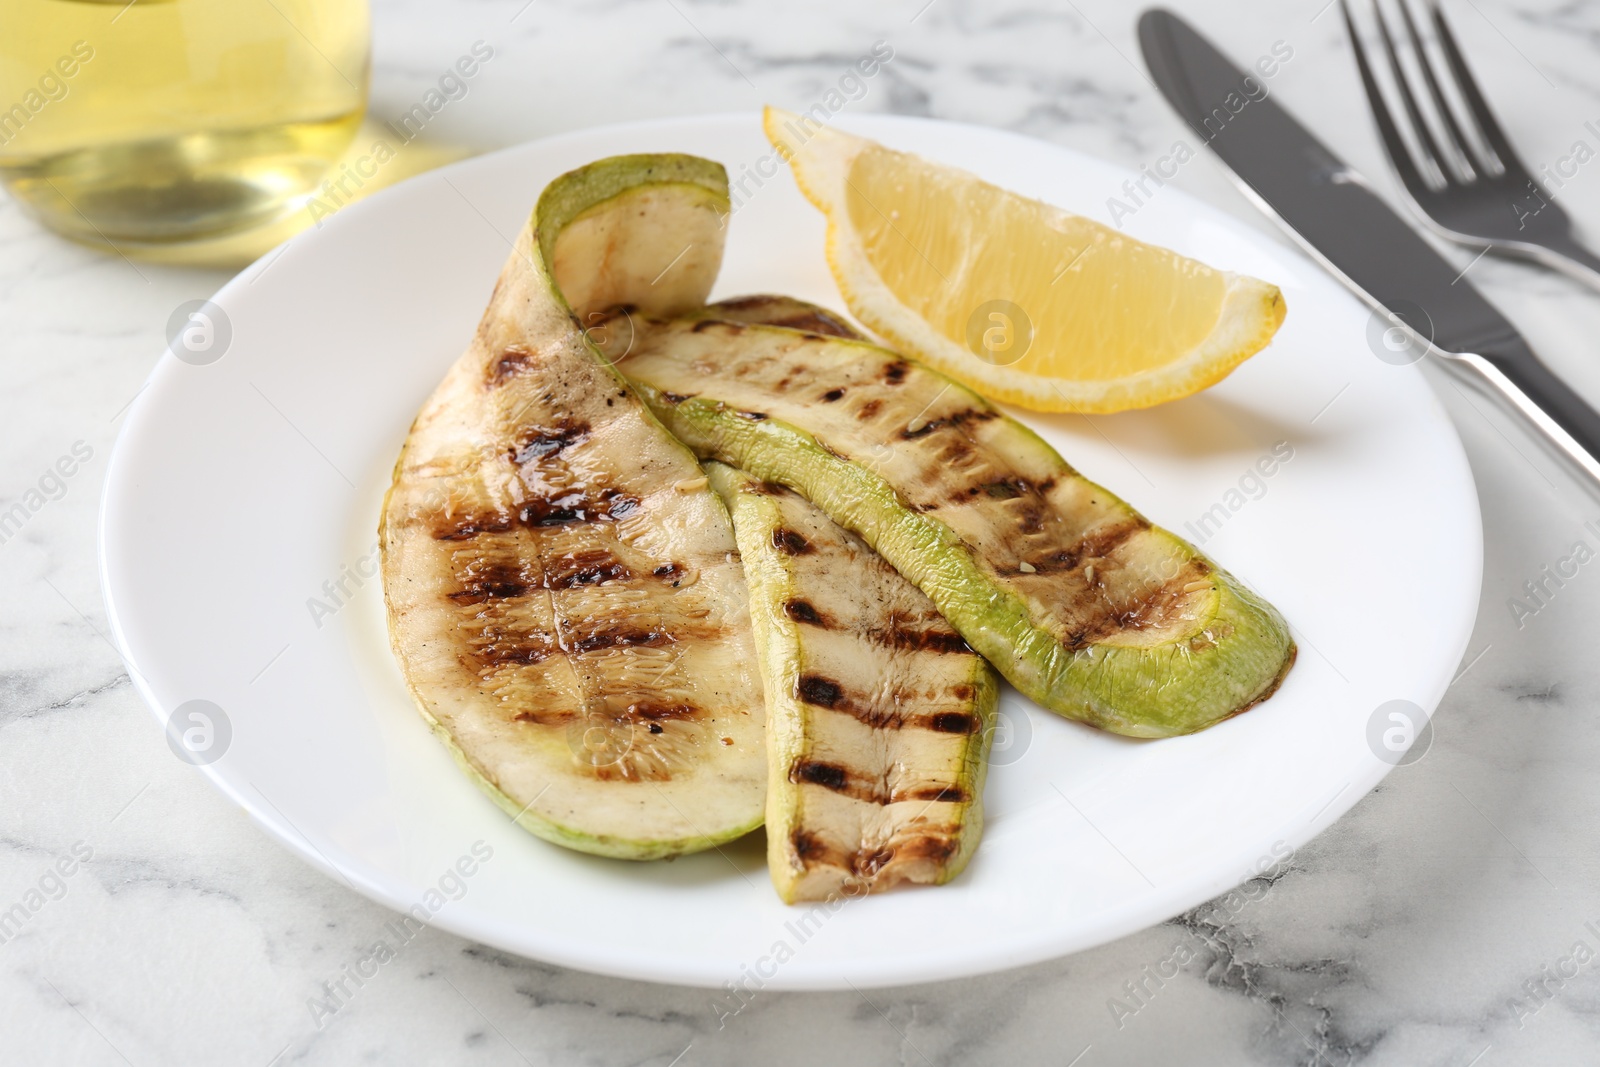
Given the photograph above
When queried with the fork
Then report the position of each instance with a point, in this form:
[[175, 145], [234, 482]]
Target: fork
[[1474, 191]]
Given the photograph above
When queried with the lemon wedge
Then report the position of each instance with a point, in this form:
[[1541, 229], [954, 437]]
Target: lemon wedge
[[1024, 302]]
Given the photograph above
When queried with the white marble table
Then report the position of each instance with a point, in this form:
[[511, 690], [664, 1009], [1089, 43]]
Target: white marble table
[[1429, 926]]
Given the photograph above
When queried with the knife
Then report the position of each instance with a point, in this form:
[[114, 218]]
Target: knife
[[1333, 213]]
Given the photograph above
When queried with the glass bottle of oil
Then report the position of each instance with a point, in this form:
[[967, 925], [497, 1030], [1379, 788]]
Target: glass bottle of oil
[[155, 122]]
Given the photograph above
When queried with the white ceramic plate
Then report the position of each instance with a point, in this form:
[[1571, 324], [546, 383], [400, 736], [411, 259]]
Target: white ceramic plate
[[245, 491]]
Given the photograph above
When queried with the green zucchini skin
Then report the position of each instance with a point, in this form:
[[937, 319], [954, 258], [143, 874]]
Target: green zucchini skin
[[563, 588], [879, 716], [1076, 599]]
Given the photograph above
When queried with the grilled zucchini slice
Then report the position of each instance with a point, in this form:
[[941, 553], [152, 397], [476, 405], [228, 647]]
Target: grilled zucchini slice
[[879, 716], [564, 592], [1075, 597]]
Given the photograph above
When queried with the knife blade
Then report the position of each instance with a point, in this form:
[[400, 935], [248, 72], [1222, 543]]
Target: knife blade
[[1334, 213]]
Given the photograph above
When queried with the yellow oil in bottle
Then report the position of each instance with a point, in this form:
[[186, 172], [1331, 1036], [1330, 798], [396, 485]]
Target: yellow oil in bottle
[[163, 121]]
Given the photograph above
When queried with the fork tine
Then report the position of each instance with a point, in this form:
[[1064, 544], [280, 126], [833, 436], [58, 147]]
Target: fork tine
[[1399, 151], [1469, 91], [1467, 152], [1419, 127]]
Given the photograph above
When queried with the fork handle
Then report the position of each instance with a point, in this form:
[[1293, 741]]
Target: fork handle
[[1565, 419], [1571, 259]]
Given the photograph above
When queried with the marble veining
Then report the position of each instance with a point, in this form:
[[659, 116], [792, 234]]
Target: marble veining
[[1440, 922]]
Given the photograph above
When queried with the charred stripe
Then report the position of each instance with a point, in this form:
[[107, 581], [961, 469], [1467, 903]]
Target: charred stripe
[[789, 542], [910, 846], [839, 779], [541, 443], [804, 612], [509, 365], [822, 692]]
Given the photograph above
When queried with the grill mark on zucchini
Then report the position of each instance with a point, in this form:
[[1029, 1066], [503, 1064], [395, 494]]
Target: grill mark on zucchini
[[898, 636], [464, 529], [539, 444], [588, 567], [820, 325], [782, 311], [663, 712], [790, 543], [808, 846], [939, 640], [936, 846], [622, 637], [501, 649], [499, 642], [493, 577], [485, 579], [838, 778], [985, 486], [647, 715], [595, 632], [577, 506], [573, 507], [936, 794], [828, 775], [546, 717], [1100, 543], [954, 722], [511, 363], [822, 692], [494, 581], [957, 421], [802, 611]]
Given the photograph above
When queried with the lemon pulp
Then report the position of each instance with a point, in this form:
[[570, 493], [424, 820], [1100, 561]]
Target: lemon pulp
[[1099, 306]]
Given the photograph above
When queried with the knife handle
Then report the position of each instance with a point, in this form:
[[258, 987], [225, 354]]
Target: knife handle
[[1568, 421]]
